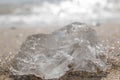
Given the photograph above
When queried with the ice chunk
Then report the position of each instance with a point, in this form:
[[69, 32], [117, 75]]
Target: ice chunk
[[49, 55]]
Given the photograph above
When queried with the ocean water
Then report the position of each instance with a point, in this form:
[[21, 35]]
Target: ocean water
[[44, 13]]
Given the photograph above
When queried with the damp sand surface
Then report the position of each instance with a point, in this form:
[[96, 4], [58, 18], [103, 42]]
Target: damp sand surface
[[12, 38]]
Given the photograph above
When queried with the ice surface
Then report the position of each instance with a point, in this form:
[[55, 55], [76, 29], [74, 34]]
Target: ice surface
[[49, 55]]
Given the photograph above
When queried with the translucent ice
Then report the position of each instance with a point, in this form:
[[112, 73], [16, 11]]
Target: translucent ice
[[49, 55]]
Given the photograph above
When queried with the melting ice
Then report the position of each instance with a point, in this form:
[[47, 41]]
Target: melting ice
[[49, 55]]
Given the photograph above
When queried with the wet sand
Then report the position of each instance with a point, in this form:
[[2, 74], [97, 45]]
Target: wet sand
[[109, 34], [12, 38]]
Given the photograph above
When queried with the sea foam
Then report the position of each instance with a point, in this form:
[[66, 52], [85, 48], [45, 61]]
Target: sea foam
[[61, 13]]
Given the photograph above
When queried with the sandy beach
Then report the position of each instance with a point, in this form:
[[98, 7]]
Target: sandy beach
[[12, 38]]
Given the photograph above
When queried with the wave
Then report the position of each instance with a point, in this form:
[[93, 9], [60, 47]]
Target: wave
[[62, 12]]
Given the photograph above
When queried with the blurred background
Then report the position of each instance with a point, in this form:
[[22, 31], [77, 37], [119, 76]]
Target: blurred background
[[44, 13]]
